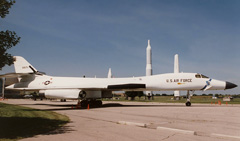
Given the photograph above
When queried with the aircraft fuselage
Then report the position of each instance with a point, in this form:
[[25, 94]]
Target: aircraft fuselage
[[162, 82]]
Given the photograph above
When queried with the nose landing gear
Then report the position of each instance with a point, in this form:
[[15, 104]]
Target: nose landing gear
[[188, 103]]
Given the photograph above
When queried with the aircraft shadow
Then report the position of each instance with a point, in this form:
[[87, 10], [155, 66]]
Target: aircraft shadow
[[14, 128], [167, 105], [59, 107]]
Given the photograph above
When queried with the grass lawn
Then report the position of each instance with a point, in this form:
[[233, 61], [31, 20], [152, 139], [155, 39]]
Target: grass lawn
[[18, 122]]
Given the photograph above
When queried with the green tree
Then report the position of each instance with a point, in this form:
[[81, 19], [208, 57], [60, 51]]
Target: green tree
[[8, 39], [210, 94]]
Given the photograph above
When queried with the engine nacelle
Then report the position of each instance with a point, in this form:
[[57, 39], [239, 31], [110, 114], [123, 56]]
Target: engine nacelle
[[75, 94], [82, 94], [61, 94]]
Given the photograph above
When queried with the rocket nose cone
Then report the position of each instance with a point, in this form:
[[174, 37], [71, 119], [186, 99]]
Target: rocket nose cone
[[230, 85]]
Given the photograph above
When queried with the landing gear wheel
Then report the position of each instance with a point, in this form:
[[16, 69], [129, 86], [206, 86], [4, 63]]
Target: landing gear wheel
[[99, 103], [95, 103], [84, 103], [91, 103], [188, 103], [63, 100]]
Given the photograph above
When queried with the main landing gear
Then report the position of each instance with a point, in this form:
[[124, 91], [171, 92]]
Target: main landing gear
[[92, 103], [188, 103]]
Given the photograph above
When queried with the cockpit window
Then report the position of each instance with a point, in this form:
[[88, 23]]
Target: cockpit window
[[203, 76], [198, 76]]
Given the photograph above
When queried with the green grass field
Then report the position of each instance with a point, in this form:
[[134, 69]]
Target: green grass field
[[194, 99], [18, 122]]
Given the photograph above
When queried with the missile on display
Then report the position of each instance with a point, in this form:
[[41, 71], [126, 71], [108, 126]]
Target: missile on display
[[176, 70], [109, 73], [149, 60], [149, 66], [176, 64]]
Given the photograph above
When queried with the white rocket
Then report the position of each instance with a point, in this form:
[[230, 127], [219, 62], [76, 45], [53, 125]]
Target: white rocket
[[109, 73], [176, 70], [176, 64], [149, 64]]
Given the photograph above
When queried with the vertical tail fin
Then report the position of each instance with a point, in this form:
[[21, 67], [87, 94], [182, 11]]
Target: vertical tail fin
[[23, 66]]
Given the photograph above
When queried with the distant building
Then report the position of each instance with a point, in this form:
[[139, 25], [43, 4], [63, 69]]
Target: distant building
[[228, 98], [214, 97]]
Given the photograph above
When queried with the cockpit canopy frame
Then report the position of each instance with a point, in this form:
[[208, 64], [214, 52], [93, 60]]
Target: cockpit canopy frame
[[200, 76]]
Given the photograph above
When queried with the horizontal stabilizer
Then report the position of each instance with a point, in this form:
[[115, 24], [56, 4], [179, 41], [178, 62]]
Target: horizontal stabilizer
[[12, 75]]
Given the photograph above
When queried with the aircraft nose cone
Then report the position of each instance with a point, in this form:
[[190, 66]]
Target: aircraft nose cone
[[230, 85]]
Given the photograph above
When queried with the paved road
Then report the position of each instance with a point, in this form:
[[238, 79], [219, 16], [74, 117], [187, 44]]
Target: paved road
[[124, 120]]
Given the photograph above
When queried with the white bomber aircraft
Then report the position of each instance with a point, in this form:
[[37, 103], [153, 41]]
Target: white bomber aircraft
[[88, 90]]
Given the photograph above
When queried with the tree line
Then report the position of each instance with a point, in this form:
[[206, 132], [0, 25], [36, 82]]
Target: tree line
[[8, 39]]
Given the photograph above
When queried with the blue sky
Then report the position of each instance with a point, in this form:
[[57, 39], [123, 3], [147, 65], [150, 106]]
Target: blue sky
[[86, 37]]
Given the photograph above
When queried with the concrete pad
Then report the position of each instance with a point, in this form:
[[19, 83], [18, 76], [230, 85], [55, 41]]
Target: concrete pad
[[176, 130], [132, 123], [225, 136], [100, 124]]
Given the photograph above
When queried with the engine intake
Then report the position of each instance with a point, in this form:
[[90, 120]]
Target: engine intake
[[82, 94]]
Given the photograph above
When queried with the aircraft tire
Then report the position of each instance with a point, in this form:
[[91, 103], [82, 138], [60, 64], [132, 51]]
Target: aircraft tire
[[63, 100], [84, 103], [92, 103], [188, 103], [99, 103]]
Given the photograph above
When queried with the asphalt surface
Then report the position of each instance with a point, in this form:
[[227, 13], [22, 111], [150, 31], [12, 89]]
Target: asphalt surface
[[142, 121]]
